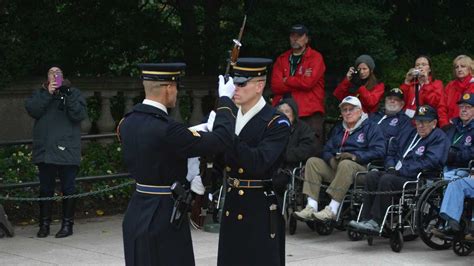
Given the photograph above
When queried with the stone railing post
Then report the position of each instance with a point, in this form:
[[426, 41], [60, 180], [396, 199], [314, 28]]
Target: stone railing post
[[129, 96], [196, 116], [86, 124], [106, 123], [176, 112]]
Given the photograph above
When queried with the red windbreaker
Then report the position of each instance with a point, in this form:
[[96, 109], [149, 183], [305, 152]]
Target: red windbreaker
[[454, 91], [431, 94], [307, 91], [369, 99]]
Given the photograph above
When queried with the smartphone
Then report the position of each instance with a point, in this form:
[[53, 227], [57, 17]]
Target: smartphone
[[58, 78]]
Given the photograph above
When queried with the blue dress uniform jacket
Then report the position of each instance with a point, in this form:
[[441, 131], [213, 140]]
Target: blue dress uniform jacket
[[155, 150], [391, 125], [245, 226], [462, 148], [430, 153], [366, 142]]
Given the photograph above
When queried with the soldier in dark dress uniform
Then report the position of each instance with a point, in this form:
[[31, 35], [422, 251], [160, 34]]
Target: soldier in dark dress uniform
[[155, 150], [252, 227]]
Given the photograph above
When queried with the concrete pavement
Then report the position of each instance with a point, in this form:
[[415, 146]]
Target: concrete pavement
[[98, 241]]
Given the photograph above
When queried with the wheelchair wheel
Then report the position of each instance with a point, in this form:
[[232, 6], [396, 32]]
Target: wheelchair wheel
[[396, 241], [462, 248], [292, 225], [427, 216], [324, 229], [354, 235]]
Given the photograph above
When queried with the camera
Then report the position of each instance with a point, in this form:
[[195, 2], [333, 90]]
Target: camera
[[416, 72], [355, 74]]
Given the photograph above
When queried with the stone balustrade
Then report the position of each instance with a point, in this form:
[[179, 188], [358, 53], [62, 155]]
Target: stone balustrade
[[17, 124]]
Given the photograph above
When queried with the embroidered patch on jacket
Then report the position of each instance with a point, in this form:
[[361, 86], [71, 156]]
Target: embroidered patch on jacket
[[468, 141], [420, 150], [283, 121], [361, 138], [394, 122], [194, 132]]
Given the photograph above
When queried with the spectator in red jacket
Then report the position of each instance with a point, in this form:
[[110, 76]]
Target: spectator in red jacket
[[431, 90], [299, 73], [360, 81], [464, 83]]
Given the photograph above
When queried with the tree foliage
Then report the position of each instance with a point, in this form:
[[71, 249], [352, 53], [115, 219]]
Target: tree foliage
[[109, 37]]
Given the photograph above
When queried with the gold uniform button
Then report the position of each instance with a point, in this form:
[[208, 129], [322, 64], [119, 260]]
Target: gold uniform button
[[240, 217], [227, 169], [227, 213], [241, 192], [241, 171], [229, 189]]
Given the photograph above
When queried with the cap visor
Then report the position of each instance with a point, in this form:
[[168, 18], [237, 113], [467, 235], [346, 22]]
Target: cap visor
[[240, 79]]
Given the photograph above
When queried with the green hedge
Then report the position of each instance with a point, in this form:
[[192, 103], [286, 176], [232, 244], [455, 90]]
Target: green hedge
[[97, 159]]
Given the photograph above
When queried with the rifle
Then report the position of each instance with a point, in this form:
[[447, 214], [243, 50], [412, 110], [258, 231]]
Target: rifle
[[234, 54]]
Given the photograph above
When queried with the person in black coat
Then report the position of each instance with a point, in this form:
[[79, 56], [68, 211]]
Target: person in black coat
[[252, 226], [300, 144], [155, 151], [58, 110]]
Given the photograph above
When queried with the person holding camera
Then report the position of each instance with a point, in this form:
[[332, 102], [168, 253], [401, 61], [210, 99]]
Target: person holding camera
[[360, 81], [464, 83], [58, 110], [430, 90], [353, 143]]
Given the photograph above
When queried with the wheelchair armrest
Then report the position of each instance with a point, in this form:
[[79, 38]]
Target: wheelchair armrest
[[430, 174]]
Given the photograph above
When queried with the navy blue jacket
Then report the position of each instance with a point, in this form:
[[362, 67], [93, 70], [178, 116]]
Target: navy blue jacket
[[366, 143], [392, 125], [429, 154], [461, 138]]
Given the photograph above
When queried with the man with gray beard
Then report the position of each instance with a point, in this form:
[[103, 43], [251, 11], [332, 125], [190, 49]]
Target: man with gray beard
[[392, 120]]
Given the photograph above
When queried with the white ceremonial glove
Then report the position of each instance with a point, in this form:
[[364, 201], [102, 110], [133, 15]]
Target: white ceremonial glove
[[226, 89], [200, 127], [197, 186], [210, 121], [193, 168]]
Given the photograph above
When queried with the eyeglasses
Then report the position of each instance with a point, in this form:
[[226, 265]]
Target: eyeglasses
[[422, 64], [348, 110], [243, 84]]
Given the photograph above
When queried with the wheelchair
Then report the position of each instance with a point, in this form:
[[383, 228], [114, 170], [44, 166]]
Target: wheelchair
[[428, 218], [400, 220], [295, 201]]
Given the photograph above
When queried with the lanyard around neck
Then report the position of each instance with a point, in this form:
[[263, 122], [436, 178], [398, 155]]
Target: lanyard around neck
[[412, 145]]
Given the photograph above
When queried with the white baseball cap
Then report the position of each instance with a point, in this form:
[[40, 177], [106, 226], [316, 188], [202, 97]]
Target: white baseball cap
[[352, 100]]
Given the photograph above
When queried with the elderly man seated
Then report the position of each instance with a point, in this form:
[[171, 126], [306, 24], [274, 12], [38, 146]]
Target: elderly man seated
[[461, 135], [423, 148], [393, 119], [354, 143]]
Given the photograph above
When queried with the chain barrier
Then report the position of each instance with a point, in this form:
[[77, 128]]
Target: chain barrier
[[81, 195], [363, 192]]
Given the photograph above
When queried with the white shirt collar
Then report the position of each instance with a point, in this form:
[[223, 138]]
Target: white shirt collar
[[155, 104], [243, 119]]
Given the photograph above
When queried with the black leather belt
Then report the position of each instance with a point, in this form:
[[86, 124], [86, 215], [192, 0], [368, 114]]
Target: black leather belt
[[247, 183]]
